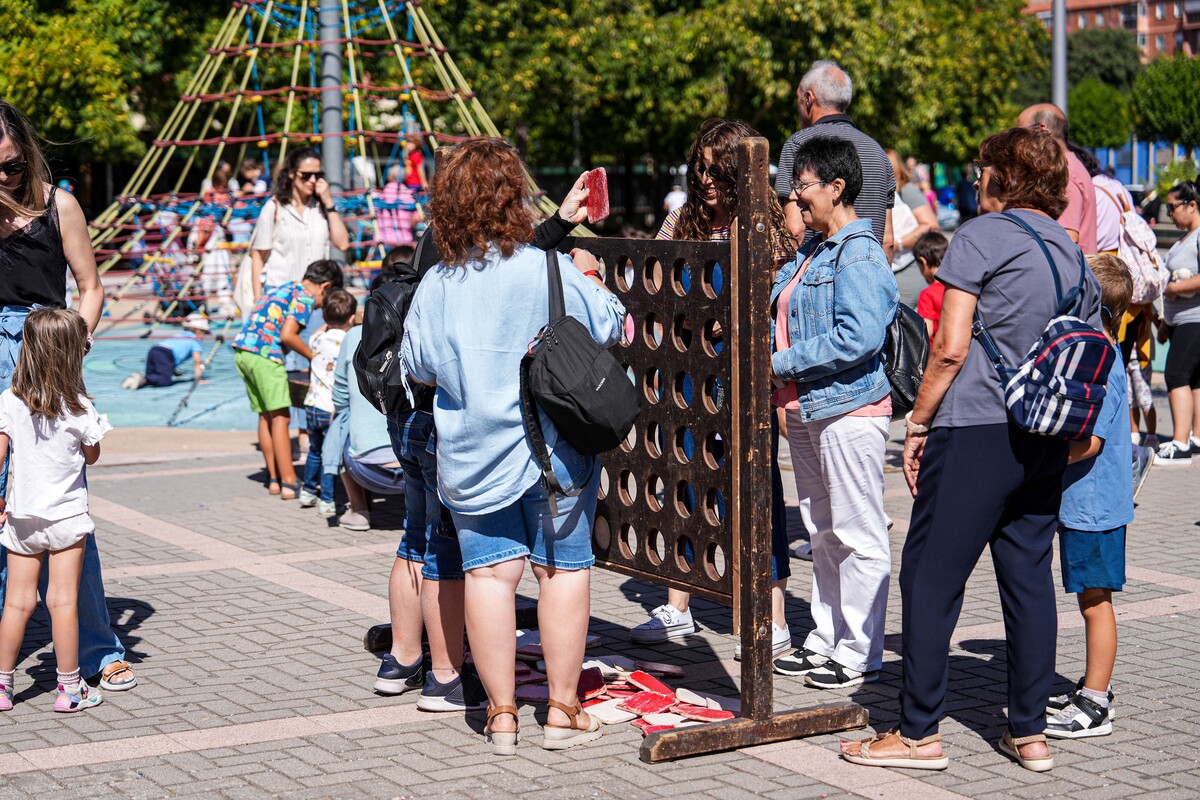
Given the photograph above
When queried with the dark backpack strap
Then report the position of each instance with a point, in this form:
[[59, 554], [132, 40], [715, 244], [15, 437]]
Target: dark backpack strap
[[537, 440], [558, 307], [1069, 301]]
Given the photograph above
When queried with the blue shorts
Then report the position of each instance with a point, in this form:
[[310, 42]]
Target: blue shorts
[[429, 536], [1092, 559], [526, 528]]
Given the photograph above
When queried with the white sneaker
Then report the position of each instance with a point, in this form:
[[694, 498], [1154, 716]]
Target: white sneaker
[[353, 521], [326, 509], [666, 622], [781, 642], [308, 499]]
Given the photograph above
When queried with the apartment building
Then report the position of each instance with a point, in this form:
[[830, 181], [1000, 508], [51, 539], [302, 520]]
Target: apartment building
[[1162, 27]]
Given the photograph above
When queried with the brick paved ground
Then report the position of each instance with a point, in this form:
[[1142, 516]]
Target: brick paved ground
[[245, 617]]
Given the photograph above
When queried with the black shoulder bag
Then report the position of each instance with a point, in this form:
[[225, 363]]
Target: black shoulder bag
[[580, 385]]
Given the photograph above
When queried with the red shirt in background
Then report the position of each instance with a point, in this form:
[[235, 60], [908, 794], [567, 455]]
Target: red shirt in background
[[929, 303]]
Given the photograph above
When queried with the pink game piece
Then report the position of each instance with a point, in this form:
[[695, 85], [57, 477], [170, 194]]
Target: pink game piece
[[647, 703], [597, 201], [646, 681]]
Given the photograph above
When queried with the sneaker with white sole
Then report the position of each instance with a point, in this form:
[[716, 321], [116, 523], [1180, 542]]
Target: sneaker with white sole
[[1170, 454], [832, 675], [1058, 702], [308, 499], [1080, 718], [803, 551], [666, 622], [353, 521], [396, 678], [463, 693], [76, 698], [326, 508], [781, 642], [801, 662]]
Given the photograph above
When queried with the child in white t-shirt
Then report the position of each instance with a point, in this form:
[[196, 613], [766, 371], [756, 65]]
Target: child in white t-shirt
[[339, 309], [49, 430]]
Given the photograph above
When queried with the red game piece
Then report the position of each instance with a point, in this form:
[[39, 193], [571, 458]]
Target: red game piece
[[597, 201], [649, 683], [647, 703], [591, 683], [689, 711], [647, 728]]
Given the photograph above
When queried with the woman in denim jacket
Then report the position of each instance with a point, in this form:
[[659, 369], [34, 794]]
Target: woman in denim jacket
[[471, 321], [831, 308]]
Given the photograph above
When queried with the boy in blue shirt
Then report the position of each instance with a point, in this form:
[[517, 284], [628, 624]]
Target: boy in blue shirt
[[170, 354], [1097, 504]]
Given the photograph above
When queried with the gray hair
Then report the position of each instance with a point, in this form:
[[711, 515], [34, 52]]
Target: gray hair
[[829, 84]]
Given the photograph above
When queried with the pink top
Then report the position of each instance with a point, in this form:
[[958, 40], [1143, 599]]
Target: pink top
[[787, 397]]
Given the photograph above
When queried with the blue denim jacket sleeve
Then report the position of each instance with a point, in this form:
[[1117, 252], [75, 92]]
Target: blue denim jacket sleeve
[[864, 301]]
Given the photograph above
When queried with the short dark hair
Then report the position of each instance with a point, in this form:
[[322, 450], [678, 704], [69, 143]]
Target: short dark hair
[[338, 307], [931, 248], [1186, 191], [325, 271], [830, 158], [1029, 169], [400, 254]]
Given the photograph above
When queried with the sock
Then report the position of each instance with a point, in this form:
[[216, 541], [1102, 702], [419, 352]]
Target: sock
[[1194, 442], [6, 678], [1099, 698], [69, 680], [1179, 444]]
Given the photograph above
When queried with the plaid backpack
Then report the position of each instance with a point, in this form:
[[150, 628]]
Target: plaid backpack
[[1058, 388]]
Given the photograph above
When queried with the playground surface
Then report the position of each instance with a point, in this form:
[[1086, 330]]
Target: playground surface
[[244, 616]]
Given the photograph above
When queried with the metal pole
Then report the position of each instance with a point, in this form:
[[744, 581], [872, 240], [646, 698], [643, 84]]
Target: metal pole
[[1058, 56], [332, 145]]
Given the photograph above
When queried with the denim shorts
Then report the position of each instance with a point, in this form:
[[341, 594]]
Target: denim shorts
[[429, 535], [526, 529], [1092, 559]]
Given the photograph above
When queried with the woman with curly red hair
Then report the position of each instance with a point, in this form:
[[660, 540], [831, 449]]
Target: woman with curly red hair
[[470, 323], [979, 480]]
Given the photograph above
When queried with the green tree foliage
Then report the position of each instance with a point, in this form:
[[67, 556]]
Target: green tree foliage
[[86, 71], [1166, 103], [1109, 55], [1099, 115]]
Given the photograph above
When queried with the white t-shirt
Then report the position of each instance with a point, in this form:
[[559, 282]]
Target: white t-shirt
[[325, 347], [294, 239], [46, 459], [1109, 194]]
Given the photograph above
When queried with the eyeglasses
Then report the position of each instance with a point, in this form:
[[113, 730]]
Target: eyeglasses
[[311, 176], [712, 170], [14, 168], [799, 186], [979, 166]]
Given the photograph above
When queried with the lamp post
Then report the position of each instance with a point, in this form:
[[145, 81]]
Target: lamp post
[[332, 146], [1058, 55]]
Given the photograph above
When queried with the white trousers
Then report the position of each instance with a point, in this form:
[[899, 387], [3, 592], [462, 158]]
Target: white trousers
[[838, 464]]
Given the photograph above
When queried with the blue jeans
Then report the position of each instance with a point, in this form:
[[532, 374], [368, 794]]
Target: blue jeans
[[429, 535], [98, 644], [314, 481]]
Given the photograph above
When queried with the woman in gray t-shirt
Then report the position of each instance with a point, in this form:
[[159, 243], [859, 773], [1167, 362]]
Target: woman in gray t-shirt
[[1181, 311], [979, 481]]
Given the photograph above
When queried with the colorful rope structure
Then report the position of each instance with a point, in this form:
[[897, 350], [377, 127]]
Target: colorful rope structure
[[256, 92]]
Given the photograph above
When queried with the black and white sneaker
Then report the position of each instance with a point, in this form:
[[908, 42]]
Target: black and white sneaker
[[397, 678], [1171, 454], [832, 675], [464, 693], [800, 662], [1080, 718], [1060, 701]]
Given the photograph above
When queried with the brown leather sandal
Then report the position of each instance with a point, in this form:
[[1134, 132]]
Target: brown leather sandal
[[557, 737], [503, 743]]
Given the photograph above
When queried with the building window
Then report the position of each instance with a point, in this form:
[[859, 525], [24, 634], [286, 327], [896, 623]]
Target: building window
[[1160, 10], [1141, 9], [1160, 43], [1178, 10], [1082, 22], [1099, 20], [1142, 40]]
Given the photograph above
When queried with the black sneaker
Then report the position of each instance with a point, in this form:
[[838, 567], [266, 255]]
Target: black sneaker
[[1060, 701], [396, 678], [1080, 718], [1172, 455], [464, 693], [832, 675], [800, 662]]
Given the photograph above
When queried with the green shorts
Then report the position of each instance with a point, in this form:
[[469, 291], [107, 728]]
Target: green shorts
[[266, 381]]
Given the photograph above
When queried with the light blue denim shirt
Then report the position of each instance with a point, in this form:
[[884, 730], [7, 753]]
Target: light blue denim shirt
[[466, 331], [837, 323]]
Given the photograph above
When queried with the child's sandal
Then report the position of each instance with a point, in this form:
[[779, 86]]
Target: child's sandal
[[273, 486], [556, 737], [289, 491], [503, 743]]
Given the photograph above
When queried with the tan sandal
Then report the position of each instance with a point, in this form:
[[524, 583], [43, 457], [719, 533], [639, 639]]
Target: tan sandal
[[556, 737], [1012, 748], [113, 669], [503, 743], [912, 761]]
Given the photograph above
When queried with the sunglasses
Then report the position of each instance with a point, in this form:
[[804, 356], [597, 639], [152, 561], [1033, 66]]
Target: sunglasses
[[712, 170], [799, 186], [14, 168], [978, 165], [311, 176]]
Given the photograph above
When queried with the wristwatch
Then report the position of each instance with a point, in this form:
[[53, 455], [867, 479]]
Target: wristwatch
[[331, 209], [914, 427]]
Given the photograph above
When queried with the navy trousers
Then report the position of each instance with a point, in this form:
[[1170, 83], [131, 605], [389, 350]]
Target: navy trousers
[[981, 485], [160, 366]]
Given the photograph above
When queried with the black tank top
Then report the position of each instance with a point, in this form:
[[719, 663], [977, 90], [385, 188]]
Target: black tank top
[[33, 268]]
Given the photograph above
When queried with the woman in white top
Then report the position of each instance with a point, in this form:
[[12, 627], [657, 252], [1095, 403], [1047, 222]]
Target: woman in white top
[[912, 216], [297, 225]]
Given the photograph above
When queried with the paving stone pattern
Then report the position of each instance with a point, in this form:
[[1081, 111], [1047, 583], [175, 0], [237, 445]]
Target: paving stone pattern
[[245, 614]]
